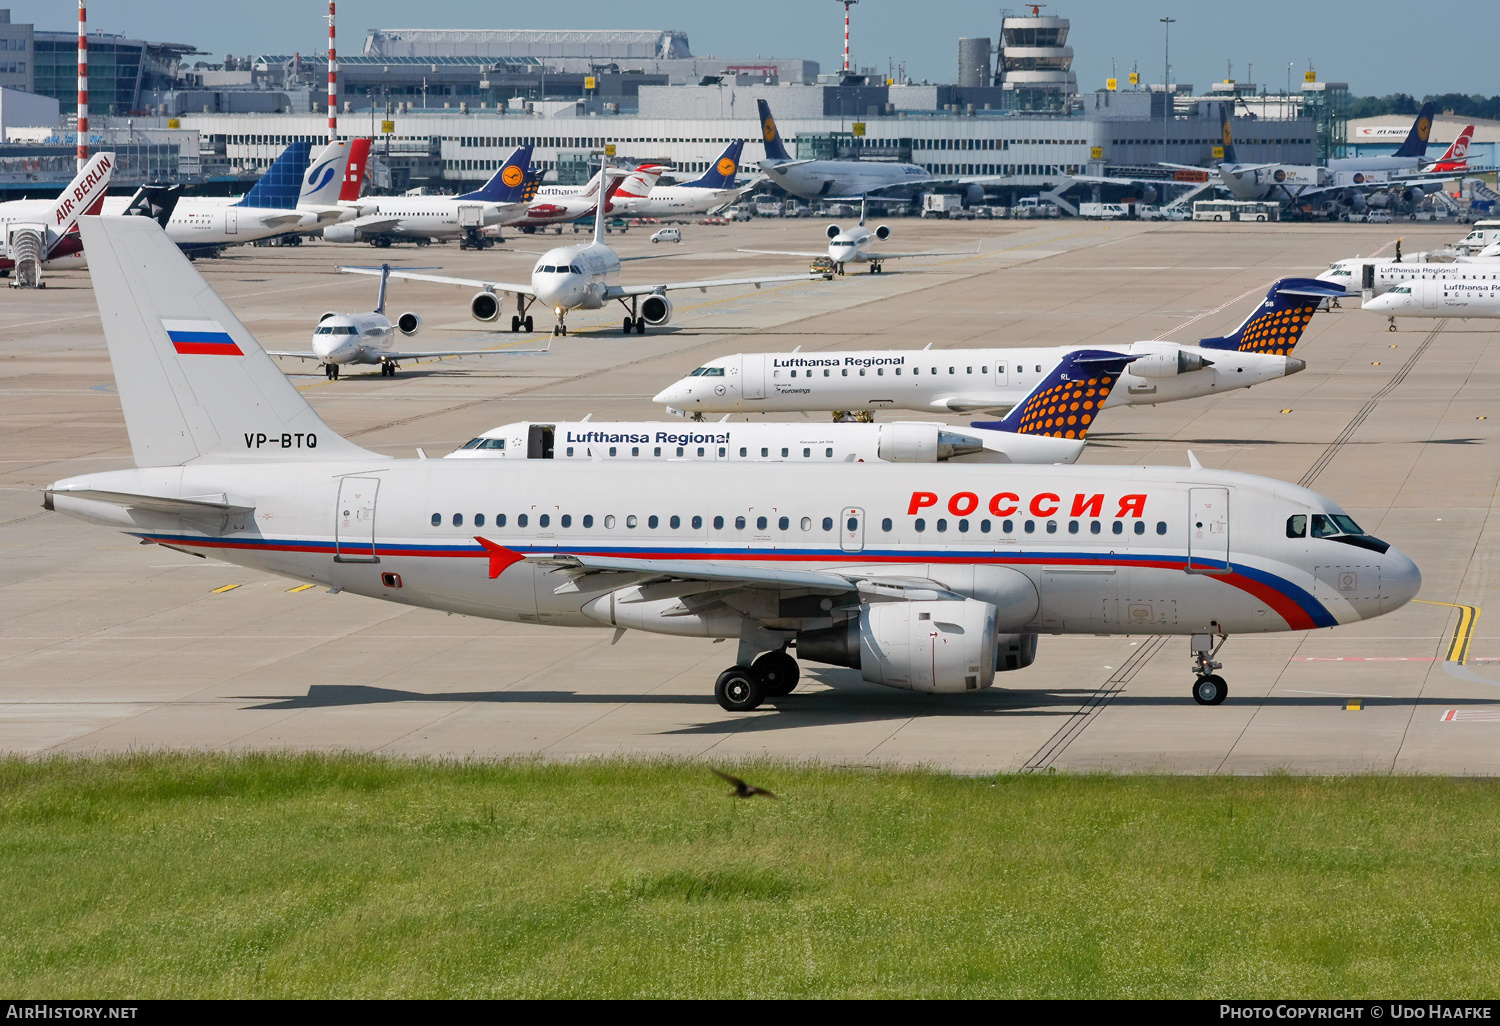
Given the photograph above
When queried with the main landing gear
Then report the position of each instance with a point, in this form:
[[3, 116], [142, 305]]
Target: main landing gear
[[1209, 688], [633, 319], [875, 268], [331, 371], [387, 368], [743, 688], [521, 323]]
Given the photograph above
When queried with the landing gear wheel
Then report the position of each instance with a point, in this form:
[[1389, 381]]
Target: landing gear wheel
[[1390, 324], [739, 690], [526, 323], [640, 325], [627, 326], [388, 369], [515, 324], [778, 673], [1210, 690], [331, 371]]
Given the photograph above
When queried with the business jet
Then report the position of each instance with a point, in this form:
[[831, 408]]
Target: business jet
[[851, 179], [924, 577], [581, 278], [500, 201], [965, 380], [713, 189], [853, 246], [38, 233], [1037, 430], [1475, 293], [343, 340]]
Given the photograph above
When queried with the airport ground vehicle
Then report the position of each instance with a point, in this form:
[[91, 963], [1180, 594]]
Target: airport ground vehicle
[[1236, 210], [667, 235], [939, 204], [930, 578]]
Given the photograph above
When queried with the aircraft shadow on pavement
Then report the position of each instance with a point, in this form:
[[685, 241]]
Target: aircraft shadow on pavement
[[1107, 439]]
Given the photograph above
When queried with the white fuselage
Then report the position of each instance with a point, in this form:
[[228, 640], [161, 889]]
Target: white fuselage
[[353, 338], [766, 442], [1475, 295], [575, 277], [1115, 550], [677, 201], [210, 221], [953, 380], [816, 179], [1384, 274], [852, 245], [425, 217]]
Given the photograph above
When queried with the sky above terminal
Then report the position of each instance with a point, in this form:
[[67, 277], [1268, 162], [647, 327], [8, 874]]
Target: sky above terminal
[[1381, 48]]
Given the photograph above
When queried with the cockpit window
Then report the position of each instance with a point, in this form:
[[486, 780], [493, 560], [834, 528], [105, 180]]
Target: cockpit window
[[484, 443], [1402, 289], [335, 329], [1296, 526], [1328, 525], [707, 372], [1336, 527], [575, 269]]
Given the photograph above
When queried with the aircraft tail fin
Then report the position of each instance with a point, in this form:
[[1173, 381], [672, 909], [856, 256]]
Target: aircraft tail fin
[[769, 135], [720, 174], [324, 178], [82, 196], [507, 184], [1456, 156], [1277, 324], [354, 171], [155, 201], [1065, 402], [194, 384], [1416, 140], [279, 187], [1226, 134], [637, 184]]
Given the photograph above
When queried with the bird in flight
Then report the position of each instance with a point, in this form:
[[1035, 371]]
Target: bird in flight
[[742, 789]]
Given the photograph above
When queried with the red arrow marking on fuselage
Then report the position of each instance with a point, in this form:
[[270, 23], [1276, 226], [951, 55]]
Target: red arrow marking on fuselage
[[500, 556]]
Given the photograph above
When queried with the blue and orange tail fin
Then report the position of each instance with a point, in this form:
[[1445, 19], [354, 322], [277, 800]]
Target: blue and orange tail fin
[[280, 186], [507, 185], [769, 135], [1066, 401], [720, 174], [1416, 140], [1226, 134], [1277, 324]]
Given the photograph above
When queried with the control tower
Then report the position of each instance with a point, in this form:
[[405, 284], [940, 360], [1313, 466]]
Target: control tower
[[1036, 64]]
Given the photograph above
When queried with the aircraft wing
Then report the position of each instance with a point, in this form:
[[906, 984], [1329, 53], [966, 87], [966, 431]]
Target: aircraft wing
[[294, 356], [619, 291], [467, 352], [939, 252], [735, 575], [374, 223], [782, 252], [470, 283]]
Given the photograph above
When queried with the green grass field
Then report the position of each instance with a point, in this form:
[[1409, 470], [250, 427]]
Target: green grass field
[[302, 876]]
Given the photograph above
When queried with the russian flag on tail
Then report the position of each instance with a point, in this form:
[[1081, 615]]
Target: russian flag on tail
[[200, 338]]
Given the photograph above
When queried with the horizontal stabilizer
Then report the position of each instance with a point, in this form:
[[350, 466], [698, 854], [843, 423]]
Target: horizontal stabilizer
[[1066, 401], [153, 503]]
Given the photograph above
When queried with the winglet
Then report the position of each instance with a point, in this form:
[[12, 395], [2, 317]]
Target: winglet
[[501, 558], [1277, 324], [1065, 402]]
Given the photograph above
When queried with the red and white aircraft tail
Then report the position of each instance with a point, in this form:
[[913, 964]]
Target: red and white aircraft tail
[[1456, 157], [354, 173], [84, 195]]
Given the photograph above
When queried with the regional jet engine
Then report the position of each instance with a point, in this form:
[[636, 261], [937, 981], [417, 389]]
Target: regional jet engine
[[883, 232], [408, 323]]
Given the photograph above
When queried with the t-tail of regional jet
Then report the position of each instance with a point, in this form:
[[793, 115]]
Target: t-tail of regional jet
[[1065, 402], [1276, 326]]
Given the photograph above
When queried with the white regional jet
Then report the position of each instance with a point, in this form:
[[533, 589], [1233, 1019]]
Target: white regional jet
[[925, 577], [852, 246], [342, 339], [962, 380], [714, 188], [1475, 294], [1033, 432], [1376, 276], [582, 278]]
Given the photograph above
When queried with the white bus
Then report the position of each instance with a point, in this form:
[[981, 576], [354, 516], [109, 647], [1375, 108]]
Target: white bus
[[1236, 210]]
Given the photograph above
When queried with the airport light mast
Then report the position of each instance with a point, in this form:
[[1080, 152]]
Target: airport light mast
[[847, 4], [333, 77]]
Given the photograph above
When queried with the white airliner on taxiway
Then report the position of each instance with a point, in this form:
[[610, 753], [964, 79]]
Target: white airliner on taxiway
[[1369, 274], [1036, 431], [964, 380], [581, 278], [853, 246], [342, 339], [1473, 294], [927, 577]]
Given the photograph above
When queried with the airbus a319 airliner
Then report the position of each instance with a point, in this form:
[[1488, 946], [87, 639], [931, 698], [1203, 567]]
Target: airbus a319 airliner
[[929, 577]]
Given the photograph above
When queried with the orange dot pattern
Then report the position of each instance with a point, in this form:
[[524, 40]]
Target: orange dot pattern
[[1065, 410], [1277, 332]]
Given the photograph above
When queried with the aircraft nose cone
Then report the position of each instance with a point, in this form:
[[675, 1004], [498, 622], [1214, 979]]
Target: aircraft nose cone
[[1400, 580], [675, 393], [1294, 365]]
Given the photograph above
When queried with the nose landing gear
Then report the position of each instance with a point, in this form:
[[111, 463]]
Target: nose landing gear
[[1209, 688], [331, 371], [1390, 323]]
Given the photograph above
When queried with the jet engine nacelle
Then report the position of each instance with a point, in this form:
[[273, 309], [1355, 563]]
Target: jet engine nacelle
[[1164, 360], [485, 306], [833, 231], [657, 310], [974, 193], [327, 314], [340, 233], [408, 323], [883, 232], [936, 646], [902, 442], [1014, 652]]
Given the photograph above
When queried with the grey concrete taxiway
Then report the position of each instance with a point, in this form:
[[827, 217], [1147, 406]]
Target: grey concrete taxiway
[[107, 645]]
